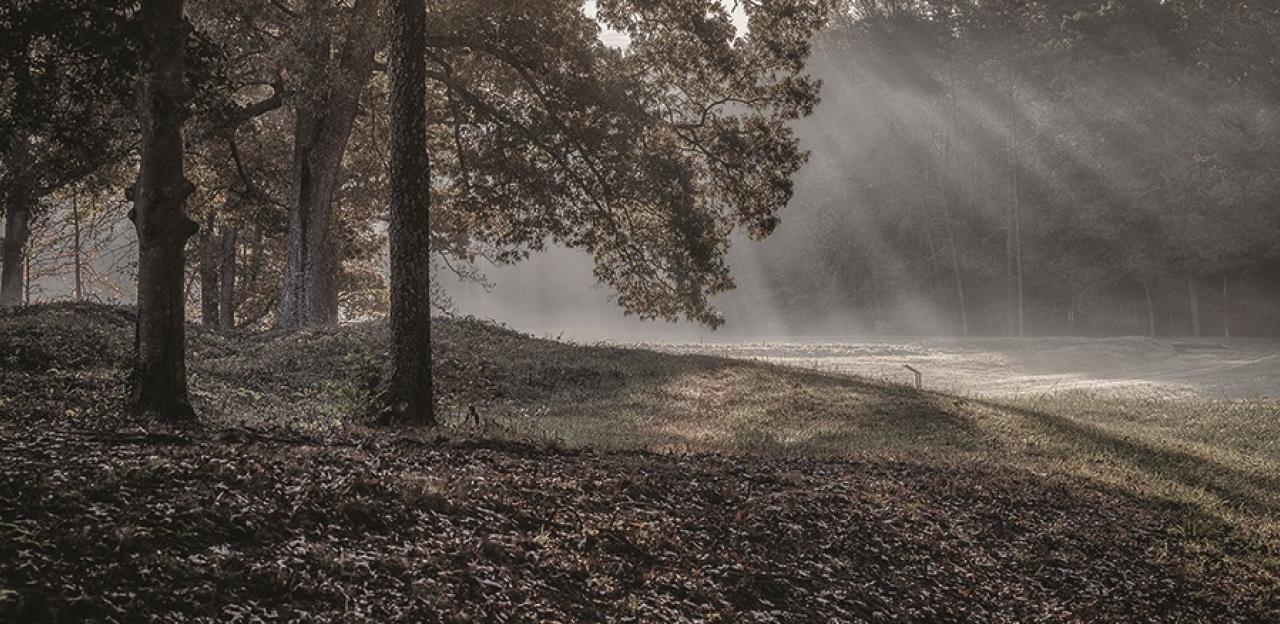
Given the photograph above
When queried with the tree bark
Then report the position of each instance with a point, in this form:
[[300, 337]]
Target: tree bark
[[227, 279], [159, 384], [326, 113], [19, 199], [210, 272], [411, 399]]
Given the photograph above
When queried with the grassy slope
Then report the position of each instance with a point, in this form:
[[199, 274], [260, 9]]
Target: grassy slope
[[1024, 510]]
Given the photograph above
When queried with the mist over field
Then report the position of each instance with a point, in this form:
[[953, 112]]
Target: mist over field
[[1098, 176]]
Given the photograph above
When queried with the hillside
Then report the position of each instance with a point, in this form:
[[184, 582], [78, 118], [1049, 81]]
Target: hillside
[[606, 484]]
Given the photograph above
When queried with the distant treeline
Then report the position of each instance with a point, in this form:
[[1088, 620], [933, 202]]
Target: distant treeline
[[1062, 167]]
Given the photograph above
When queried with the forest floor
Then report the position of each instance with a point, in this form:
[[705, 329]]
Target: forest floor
[[596, 483]]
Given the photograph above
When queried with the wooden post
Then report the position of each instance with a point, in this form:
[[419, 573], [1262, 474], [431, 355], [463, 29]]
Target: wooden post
[[918, 374]]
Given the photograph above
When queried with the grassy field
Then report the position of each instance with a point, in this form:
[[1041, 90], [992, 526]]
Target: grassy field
[[1202, 475], [1218, 457]]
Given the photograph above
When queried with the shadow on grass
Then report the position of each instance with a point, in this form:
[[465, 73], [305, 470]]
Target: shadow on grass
[[705, 403], [1252, 492]]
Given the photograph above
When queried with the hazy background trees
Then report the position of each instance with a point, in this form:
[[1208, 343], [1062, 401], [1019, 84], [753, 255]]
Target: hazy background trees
[[1094, 166], [1063, 167]]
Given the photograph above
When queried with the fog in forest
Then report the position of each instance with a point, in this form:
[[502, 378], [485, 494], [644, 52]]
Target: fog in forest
[[1100, 174]]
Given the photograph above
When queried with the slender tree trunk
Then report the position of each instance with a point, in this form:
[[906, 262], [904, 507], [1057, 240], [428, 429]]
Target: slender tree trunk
[[326, 113], [255, 253], [410, 231], [1072, 303], [78, 249], [210, 254], [26, 279], [158, 214], [1015, 216], [955, 267], [1151, 309], [1226, 309], [947, 196], [227, 279], [1194, 298], [1017, 251], [934, 261], [19, 200]]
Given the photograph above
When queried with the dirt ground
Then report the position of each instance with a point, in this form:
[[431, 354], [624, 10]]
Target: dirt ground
[[1002, 367]]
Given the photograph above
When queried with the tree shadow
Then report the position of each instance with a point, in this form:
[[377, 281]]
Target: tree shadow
[[1253, 492], [767, 408]]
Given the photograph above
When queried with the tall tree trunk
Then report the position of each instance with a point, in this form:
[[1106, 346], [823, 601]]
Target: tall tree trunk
[[955, 267], [947, 197], [1194, 298], [934, 261], [255, 253], [1151, 309], [159, 368], [410, 231], [26, 280], [210, 254], [19, 200], [227, 279], [78, 247], [326, 113], [1226, 309], [1015, 218]]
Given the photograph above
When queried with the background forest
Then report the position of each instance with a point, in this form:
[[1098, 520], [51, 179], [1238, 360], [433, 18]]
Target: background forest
[[1062, 167], [1003, 168]]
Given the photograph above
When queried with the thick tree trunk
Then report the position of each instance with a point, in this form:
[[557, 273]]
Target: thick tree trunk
[[322, 129], [19, 200], [411, 398], [159, 373], [227, 279], [1194, 298], [17, 230], [210, 272], [310, 294]]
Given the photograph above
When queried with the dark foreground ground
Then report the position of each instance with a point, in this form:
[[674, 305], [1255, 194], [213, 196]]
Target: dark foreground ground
[[266, 514]]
